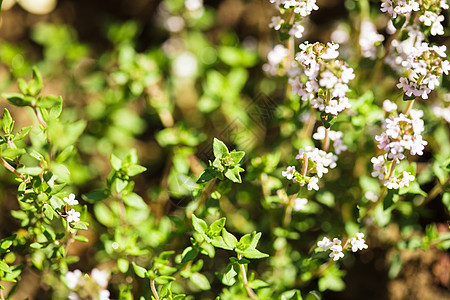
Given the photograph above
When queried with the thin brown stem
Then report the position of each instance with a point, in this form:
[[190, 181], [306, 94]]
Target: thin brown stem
[[11, 168], [250, 292], [153, 287], [2, 297]]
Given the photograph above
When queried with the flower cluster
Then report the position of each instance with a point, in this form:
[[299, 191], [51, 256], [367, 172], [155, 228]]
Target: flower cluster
[[315, 163], [368, 39], [335, 136], [357, 243], [401, 133], [428, 12], [399, 7], [72, 215], [275, 58], [424, 66], [88, 287], [327, 77]]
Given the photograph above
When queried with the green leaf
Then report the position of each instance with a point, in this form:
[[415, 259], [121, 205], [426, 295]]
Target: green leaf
[[233, 174], [228, 277], [140, 271], [217, 226], [229, 239], [33, 171], [164, 279], [189, 254], [134, 200], [257, 284], [237, 156], [36, 246], [199, 225], [219, 242], [134, 170], [219, 148], [56, 109], [81, 238], [254, 253], [200, 281], [207, 175], [17, 99], [399, 21], [80, 225], [255, 240], [4, 267], [8, 123], [408, 98], [23, 133], [116, 163], [413, 188], [327, 119], [123, 265], [61, 171], [331, 282], [35, 85]]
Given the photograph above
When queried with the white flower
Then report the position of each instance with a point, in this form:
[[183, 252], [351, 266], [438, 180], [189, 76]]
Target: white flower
[[73, 216], [300, 203], [103, 295], [312, 184], [325, 243], [296, 30], [389, 106], [101, 277], [336, 252], [71, 200], [358, 242], [72, 278], [276, 23], [371, 196], [289, 173]]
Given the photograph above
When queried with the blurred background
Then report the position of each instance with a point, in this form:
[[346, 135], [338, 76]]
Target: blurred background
[[164, 78]]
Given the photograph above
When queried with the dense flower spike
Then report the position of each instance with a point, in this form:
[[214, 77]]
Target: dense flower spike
[[424, 66], [327, 78], [401, 134], [427, 12]]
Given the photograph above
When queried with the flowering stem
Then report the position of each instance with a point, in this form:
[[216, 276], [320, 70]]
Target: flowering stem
[[153, 287], [408, 108], [305, 165], [326, 140], [250, 292]]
